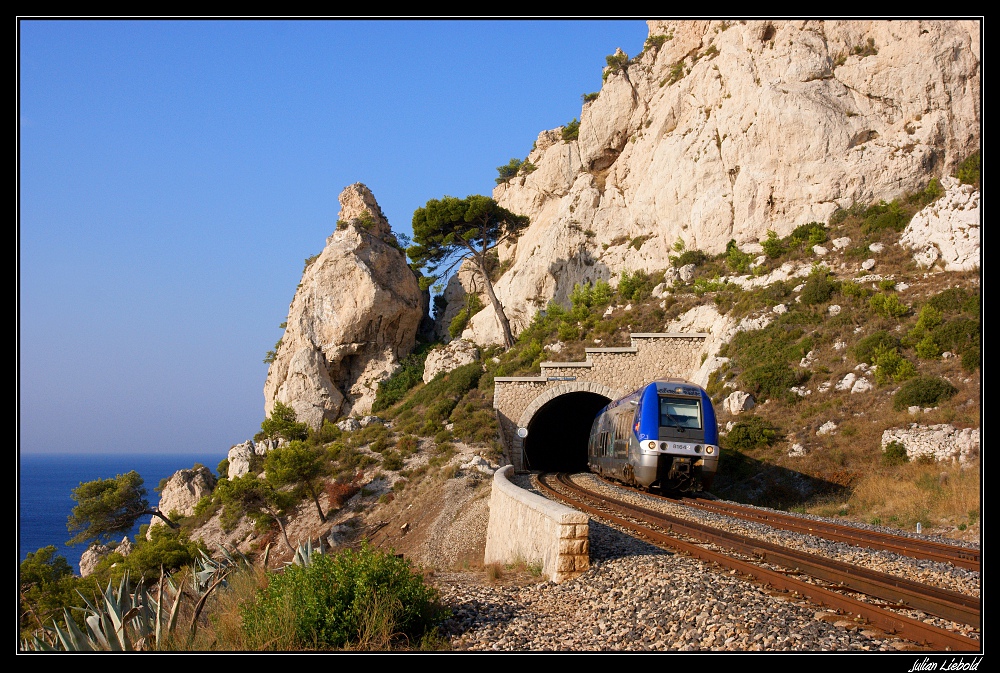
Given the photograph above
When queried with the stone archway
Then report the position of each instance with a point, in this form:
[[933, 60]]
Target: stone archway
[[558, 423], [608, 372]]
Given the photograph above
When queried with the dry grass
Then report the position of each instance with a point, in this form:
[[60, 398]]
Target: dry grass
[[931, 494], [494, 572], [225, 631]]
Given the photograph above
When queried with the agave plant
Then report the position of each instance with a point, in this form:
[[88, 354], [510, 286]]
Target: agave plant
[[127, 620]]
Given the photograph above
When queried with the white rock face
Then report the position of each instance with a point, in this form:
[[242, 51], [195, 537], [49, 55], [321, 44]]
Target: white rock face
[[847, 382], [827, 428], [797, 451], [95, 552], [772, 125], [947, 230], [862, 385], [738, 402], [479, 464], [939, 442], [181, 493], [457, 353], [239, 455], [354, 315]]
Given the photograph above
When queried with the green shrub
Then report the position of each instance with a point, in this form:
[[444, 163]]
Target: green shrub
[[168, 549], [391, 460], [818, 288], [968, 170], [585, 297], [737, 260], [282, 423], [634, 286], [656, 41], [773, 379], [923, 391], [571, 131], [809, 234], [696, 257], [506, 173], [410, 373], [616, 62], [473, 305], [955, 299], [866, 348], [773, 246], [364, 598], [927, 348], [849, 288], [590, 97], [752, 433], [885, 216], [888, 305], [891, 366]]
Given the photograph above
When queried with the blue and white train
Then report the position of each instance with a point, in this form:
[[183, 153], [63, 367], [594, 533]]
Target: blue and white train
[[664, 435]]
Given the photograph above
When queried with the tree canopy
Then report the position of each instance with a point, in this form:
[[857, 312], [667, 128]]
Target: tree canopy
[[299, 465], [107, 508], [449, 230]]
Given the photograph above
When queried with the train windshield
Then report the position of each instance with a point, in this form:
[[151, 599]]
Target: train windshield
[[678, 412]]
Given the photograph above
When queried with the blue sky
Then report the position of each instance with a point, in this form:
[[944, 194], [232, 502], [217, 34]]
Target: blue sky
[[175, 174]]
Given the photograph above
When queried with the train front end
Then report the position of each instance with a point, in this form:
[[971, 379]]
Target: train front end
[[678, 437]]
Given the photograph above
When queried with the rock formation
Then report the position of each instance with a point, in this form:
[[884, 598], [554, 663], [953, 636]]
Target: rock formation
[[97, 551], [181, 493], [457, 353], [354, 315], [724, 130], [940, 442], [947, 230]]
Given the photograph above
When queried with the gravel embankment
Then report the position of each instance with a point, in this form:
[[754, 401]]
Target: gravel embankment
[[637, 597]]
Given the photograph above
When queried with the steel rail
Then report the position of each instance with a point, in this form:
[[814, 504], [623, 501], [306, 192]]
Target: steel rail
[[908, 628], [922, 549], [957, 607]]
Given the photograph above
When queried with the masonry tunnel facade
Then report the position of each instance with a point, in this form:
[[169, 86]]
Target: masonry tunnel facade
[[559, 430]]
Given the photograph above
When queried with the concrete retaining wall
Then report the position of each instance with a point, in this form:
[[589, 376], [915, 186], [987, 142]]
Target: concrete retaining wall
[[524, 526]]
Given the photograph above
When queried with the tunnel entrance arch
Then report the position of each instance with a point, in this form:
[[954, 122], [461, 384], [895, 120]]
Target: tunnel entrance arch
[[607, 371], [558, 423], [559, 430]]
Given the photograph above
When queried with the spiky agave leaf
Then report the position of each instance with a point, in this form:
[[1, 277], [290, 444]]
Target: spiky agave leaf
[[72, 639]]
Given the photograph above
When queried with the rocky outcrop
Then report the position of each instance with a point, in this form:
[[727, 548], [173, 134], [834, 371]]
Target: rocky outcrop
[[937, 442], [96, 552], [729, 129], [947, 231], [241, 455], [354, 315], [738, 402], [456, 354], [181, 493]]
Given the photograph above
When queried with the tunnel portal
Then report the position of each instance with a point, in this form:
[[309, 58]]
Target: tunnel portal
[[558, 432]]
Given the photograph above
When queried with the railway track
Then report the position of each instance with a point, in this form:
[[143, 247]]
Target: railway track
[[961, 557], [829, 578]]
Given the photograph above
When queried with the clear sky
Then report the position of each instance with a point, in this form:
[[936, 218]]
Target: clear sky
[[174, 175]]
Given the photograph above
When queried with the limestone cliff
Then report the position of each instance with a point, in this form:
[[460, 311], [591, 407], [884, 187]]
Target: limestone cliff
[[724, 130], [354, 315]]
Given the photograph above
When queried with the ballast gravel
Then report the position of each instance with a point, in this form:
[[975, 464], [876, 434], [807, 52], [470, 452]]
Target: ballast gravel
[[638, 597]]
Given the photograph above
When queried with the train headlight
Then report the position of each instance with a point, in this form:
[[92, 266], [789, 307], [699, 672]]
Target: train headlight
[[663, 446], [697, 448], [651, 445], [709, 450]]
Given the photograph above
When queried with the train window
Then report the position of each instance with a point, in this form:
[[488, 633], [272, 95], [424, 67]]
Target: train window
[[678, 412]]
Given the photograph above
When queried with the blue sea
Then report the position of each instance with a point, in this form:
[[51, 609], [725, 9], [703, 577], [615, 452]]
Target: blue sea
[[46, 482]]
